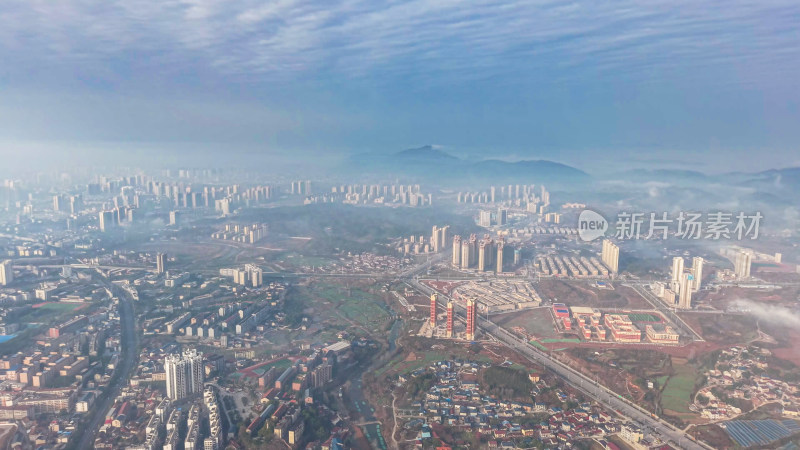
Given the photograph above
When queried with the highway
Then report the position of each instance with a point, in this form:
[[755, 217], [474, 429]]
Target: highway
[[662, 307], [127, 359], [588, 386]]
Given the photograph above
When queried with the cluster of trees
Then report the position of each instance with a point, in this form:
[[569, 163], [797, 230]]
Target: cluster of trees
[[317, 428], [421, 384], [507, 383]]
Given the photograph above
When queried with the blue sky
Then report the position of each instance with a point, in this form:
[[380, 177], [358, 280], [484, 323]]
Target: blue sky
[[711, 85]]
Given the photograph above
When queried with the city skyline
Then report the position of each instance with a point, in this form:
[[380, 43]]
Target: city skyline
[[392, 225]]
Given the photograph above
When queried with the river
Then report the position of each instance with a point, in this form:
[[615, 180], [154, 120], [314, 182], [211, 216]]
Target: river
[[372, 427]]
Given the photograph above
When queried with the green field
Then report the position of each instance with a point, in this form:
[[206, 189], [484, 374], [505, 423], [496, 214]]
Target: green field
[[280, 364], [363, 312], [538, 345], [678, 391], [550, 341], [354, 304], [538, 322], [643, 317], [403, 366]]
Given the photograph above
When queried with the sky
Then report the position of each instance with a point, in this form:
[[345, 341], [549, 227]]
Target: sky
[[600, 85]]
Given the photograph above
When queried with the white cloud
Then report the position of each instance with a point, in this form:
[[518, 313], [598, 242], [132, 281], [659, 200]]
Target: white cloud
[[768, 313], [354, 38]]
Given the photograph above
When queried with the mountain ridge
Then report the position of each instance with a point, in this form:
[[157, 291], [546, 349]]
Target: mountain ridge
[[435, 164]]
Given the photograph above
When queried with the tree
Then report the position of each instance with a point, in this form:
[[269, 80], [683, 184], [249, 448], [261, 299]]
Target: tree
[[267, 431]]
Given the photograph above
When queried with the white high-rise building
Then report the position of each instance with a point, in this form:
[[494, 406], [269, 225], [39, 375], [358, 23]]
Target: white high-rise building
[[253, 273], [677, 272], [6, 272], [161, 263], [184, 374], [742, 267], [685, 294], [456, 260], [697, 272], [485, 219], [610, 255]]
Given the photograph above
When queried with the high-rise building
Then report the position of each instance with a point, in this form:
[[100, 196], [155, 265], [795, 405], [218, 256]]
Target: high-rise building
[[465, 254], [610, 255], [502, 215], [184, 374], [255, 274], [471, 320], [75, 204], [161, 263], [482, 247], [456, 251], [435, 235], [173, 217], [57, 203], [439, 238], [500, 245], [473, 250], [697, 272], [485, 219], [685, 292], [433, 310], [545, 196], [449, 319], [251, 274], [106, 220], [742, 267], [517, 257], [677, 273], [6, 272]]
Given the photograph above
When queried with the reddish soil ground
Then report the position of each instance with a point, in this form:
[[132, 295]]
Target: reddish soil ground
[[249, 371], [787, 349], [575, 293], [445, 287], [360, 441]]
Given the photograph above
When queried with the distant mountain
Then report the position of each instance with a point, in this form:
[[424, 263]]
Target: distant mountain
[[526, 167], [666, 175], [431, 163], [774, 178], [425, 153], [774, 187]]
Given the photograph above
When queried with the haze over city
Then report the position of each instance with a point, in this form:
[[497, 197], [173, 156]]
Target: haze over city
[[241, 224]]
